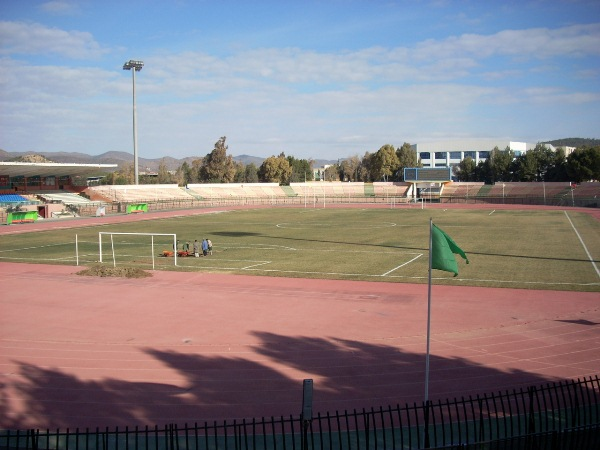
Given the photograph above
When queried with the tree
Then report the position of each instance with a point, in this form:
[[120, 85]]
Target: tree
[[544, 158], [197, 169], [246, 173], [525, 167], [385, 163], [584, 164], [124, 175], [365, 172], [332, 173], [301, 170], [558, 169], [407, 157], [465, 171], [251, 173], [350, 168], [275, 170], [483, 172], [164, 177], [500, 163], [218, 167]]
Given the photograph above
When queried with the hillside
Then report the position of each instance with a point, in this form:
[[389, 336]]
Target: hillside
[[575, 142], [120, 158]]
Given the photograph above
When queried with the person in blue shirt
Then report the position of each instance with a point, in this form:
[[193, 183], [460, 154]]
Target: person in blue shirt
[[204, 247]]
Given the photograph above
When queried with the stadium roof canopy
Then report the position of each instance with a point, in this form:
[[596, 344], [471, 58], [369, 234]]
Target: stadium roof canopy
[[26, 169]]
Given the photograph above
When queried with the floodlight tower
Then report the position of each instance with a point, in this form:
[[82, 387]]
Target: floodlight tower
[[134, 66]]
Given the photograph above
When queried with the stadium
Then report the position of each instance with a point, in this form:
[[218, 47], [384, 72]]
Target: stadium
[[316, 282]]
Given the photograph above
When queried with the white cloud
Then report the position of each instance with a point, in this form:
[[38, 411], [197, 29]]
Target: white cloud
[[303, 102], [60, 7], [576, 40], [36, 39]]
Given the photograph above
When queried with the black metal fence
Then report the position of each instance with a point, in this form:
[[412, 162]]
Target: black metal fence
[[563, 415]]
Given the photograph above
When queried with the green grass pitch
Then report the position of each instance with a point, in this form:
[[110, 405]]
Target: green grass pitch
[[518, 249]]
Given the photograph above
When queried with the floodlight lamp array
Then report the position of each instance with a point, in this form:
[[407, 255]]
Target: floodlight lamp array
[[132, 64]]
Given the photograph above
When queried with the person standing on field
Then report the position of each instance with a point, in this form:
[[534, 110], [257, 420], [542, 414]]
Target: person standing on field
[[196, 248], [209, 242], [204, 247]]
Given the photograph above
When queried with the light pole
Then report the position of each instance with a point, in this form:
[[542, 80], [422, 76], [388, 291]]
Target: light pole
[[134, 66]]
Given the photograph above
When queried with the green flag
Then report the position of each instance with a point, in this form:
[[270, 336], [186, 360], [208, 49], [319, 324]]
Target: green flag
[[443, 249]]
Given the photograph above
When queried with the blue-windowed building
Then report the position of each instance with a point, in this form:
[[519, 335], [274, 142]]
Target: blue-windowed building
[[450, 153]]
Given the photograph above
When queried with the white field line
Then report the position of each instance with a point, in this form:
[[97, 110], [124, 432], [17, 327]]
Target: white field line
[[583, 245], [402, 265], [256, 267], [36, 247], [493, 211]]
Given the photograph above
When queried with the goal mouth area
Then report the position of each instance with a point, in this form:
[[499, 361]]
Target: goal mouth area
[[136, 248]]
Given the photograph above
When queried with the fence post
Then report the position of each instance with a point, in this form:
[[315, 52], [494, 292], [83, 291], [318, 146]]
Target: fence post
[[34, 439], [531, 418], [426, 443], [307, 395]]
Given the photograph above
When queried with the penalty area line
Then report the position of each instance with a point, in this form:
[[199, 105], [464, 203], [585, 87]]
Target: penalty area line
[[402, 265]]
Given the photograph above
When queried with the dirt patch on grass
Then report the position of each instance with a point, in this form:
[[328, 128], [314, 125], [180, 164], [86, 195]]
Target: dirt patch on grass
[[123, 272]]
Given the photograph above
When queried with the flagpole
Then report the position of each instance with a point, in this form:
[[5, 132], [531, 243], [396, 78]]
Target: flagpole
[[428, 314]]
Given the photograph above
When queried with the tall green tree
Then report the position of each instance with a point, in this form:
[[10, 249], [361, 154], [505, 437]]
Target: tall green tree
[[584, 164], [407, 158], [332, 173], [275, 170], [385, 163], [123, 175], [558, 169], [251, 173], [500, 164], [164, 177], [525, 167], [544, 159], [197, 169], [465, 171], [350, 168], [365, 170], [246, 173], [218, 167], [301, 170]]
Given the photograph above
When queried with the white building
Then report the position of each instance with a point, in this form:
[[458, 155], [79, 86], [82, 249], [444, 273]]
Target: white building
[[450, 153]]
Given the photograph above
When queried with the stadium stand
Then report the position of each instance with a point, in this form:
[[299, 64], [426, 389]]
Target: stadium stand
[[138, 193], [237, 190], [11, 199], [66, 198]]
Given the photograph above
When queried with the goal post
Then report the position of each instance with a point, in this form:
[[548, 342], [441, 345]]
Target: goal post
[[149, 242]]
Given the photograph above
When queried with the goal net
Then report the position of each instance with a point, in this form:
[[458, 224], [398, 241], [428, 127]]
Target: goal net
[[137, 249]]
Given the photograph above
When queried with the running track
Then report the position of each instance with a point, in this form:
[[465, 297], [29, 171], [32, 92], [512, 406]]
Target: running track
[[187, 347]]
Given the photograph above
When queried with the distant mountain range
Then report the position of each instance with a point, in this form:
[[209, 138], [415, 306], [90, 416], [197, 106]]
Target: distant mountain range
[[151, 165], [120, 158]]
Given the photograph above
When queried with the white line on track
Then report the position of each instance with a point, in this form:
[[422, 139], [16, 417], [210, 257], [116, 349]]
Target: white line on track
[[583, 245]]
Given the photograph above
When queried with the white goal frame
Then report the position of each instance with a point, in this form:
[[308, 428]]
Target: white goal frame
[[100, 233]]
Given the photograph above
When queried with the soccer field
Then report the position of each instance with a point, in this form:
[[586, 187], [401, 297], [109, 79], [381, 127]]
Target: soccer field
[[547, 249]]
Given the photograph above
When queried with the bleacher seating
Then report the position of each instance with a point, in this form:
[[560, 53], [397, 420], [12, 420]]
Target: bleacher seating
[[65, 197], [140, 193], [461, 189], [385, 189], [586, 190], [350, 189], [236, 190], [12, 198]]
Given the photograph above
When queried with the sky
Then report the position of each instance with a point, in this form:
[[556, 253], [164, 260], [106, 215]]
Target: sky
[[314, 79]]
